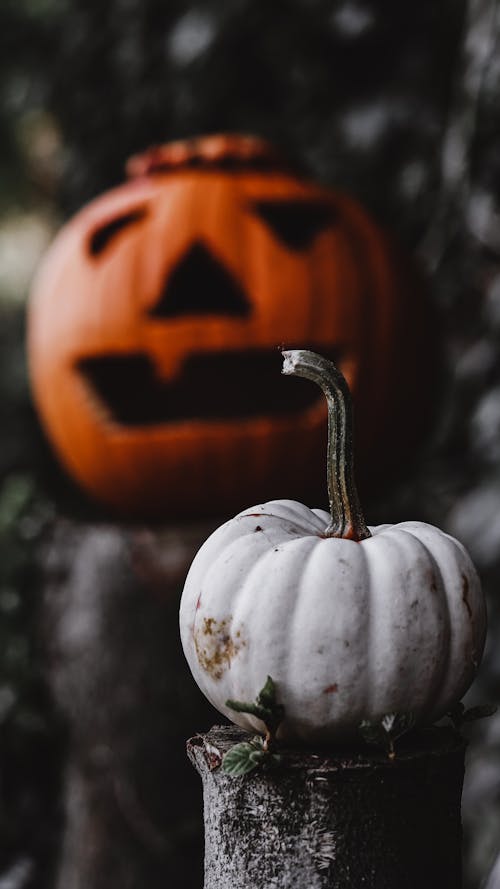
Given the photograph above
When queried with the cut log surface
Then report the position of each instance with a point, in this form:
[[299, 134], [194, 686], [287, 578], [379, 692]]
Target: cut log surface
[[344, 820]]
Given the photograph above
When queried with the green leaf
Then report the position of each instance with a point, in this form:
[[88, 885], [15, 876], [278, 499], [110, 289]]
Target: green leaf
[[459, 714], [267, 695], [242, 758], [265, 708], [456, 714], [267, 699], [397, 724], [246, 707], [481, 711], [384, 731]]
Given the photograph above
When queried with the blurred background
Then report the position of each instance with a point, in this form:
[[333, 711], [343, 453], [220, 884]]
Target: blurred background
[[399, 105]]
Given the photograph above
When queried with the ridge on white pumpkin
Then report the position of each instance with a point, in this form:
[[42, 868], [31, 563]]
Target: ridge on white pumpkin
[[350, 624]]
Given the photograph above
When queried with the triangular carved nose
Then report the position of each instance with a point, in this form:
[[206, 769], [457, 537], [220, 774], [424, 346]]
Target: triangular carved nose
[[200, 285]]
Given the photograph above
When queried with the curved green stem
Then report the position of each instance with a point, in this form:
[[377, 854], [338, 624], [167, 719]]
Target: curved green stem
[[347, 517]]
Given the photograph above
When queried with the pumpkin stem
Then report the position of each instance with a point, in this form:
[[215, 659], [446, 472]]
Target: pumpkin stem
[[347, 517]]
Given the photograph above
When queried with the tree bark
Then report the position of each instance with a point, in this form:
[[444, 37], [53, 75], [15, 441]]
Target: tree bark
[[117, 671], [343, 820]]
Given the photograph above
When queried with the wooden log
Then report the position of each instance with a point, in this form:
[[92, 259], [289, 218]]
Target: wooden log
[[117, 671], [325, 820]]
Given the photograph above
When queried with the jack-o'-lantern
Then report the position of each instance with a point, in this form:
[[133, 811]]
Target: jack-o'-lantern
[[154, 292]]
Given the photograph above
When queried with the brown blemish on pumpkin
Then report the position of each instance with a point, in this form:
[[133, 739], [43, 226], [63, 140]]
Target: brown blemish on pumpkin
[[198, 602], [331, 689], [258, 528], [433, 585], [465, 594], [215, 647]]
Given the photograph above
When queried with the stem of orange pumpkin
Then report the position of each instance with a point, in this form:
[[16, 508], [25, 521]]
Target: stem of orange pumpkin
[[347, 517]]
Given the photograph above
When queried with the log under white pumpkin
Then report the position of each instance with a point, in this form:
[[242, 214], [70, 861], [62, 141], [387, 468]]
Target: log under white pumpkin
[[349, 629]]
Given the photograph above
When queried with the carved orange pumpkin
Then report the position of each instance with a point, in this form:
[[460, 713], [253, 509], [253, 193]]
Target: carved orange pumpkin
[[154, 292]]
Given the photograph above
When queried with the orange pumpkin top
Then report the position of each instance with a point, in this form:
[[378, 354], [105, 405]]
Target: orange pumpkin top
[[222, 151]]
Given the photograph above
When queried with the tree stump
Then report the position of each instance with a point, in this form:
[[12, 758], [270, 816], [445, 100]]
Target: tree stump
[[117, 671], [334, 820]]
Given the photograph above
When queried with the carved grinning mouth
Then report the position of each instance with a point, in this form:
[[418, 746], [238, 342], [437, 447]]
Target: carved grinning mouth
[[226, 385], [216, 386]]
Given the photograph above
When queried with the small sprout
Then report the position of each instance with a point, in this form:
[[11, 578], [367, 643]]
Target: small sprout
[[248, 755], [385, 731], [459, 715], [266, 708]]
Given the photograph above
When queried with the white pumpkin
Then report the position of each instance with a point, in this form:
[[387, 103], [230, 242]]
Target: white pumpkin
[[350, 622]]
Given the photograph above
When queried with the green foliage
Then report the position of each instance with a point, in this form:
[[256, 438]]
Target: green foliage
[[22, 518], [266, 707], [384, 732], [247, 756], [31, 737], [459, 715], [244, 757]]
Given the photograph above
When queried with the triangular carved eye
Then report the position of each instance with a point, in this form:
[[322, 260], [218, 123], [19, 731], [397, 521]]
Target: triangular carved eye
[[295, 223], [101, 237], [200, 285]]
